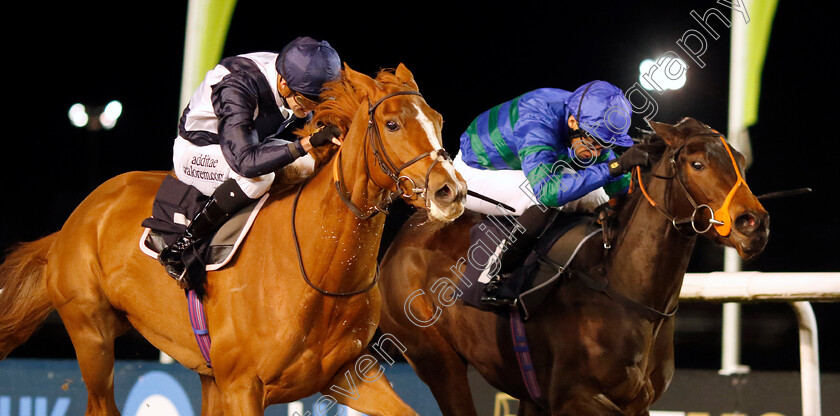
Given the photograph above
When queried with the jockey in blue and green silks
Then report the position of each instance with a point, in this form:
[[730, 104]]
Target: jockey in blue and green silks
[[548, 148]]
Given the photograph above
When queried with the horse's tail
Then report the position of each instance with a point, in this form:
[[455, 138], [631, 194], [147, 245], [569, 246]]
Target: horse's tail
[[24, 303]]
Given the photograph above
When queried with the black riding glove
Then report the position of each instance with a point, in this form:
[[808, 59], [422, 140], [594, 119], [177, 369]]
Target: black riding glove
[[324, 136], [633, 157]]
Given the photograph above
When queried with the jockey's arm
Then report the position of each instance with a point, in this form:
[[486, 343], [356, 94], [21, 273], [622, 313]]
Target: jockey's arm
[[553, 180], [618, 185], [235, 103]]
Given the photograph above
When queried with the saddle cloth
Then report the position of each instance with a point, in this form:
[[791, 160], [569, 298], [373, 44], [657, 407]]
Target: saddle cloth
[[174, 204], [541, 272], [547, 265], [224, 243]]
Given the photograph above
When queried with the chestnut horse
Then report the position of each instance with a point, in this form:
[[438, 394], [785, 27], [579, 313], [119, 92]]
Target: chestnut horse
[[592, 355], [278, 334]]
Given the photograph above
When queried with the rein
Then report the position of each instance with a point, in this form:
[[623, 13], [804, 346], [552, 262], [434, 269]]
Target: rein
[[604, 287], [303, 270], [387, 166], [723, 225]]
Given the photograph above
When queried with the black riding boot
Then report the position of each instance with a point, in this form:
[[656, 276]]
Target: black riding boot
[[534, 220], [225, 201]]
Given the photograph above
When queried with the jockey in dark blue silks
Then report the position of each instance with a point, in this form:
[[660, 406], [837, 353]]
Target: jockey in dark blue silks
[[238, 130], [547, 148]]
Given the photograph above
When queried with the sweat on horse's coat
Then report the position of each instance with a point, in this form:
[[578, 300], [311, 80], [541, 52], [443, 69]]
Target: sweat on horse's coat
[[275, 338], [594, 352]]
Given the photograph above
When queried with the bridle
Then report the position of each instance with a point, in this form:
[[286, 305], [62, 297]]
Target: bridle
[[721, 226], [387, 166], [719, 218]]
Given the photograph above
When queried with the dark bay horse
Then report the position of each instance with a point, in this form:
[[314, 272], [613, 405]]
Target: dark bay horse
[[276, 338], [592, 355]]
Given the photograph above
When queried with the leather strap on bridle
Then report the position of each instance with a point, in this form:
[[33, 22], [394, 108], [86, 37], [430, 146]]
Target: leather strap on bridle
[[722, 225], [604, 287], [387, 166]]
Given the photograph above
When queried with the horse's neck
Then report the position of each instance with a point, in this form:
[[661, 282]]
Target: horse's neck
[[651, 255], [364, 192], [349, 243]]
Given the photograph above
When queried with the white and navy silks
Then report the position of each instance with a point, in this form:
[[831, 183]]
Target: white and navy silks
[[237, 127]]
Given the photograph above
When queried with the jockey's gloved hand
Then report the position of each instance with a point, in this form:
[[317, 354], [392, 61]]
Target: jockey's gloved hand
[[633, 157], [324, 136]]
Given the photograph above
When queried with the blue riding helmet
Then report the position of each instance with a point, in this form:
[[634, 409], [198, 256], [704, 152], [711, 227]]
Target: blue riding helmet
[[306, 64], [601, 110]]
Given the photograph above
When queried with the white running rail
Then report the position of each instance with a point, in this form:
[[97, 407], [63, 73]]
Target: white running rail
[[798, 289]]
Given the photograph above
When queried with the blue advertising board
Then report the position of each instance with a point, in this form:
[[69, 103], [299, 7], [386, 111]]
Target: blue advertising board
[[34, 387], [30, 387]]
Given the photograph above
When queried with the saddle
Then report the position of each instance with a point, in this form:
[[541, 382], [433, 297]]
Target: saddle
[[534, 282], [176, 203], [547, 265], [543, 269]]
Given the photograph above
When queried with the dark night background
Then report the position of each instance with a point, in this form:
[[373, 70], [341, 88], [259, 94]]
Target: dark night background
[[466, 59]]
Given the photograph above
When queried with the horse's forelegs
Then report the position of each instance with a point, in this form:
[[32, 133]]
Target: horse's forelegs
[[588, 404], [93, 325], [242, 396], [444, 371], [528, 408], [212, 403], [361, 385]]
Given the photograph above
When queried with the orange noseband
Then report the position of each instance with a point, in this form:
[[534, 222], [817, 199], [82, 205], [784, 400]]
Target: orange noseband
[[721, 219], [722, 213]]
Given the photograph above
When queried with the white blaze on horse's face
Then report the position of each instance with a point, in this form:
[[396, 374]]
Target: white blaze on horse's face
[[428, 127], [435, 141], [437, 144]]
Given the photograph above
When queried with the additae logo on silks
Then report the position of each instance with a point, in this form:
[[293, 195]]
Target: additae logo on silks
[[159, 394]]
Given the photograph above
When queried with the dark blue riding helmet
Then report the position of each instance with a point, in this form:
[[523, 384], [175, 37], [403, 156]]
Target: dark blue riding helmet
[[306, 64]]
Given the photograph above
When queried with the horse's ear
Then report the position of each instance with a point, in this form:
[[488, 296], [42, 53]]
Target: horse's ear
[[359, 79], [405, 76], [667, 132]]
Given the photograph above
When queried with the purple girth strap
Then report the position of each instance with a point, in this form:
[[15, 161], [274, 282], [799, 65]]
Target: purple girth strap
[[523, 356], [199, 325]]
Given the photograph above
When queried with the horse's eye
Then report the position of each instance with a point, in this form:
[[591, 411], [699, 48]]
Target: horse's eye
[[392, 125], [697, 165]]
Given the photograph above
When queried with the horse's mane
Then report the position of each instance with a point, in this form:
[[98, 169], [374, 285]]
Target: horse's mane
[[656, 147], [653, 144], [339, 103]]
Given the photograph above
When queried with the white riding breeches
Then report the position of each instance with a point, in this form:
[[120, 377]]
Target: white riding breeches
[[205, 168], [511, 187]]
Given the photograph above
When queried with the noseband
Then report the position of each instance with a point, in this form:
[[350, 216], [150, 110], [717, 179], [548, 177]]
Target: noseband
[[722, 225], [387, 166]]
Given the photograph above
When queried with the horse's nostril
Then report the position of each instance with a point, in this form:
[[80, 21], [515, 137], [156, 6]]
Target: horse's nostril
[[444, 193], [747, 222]]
